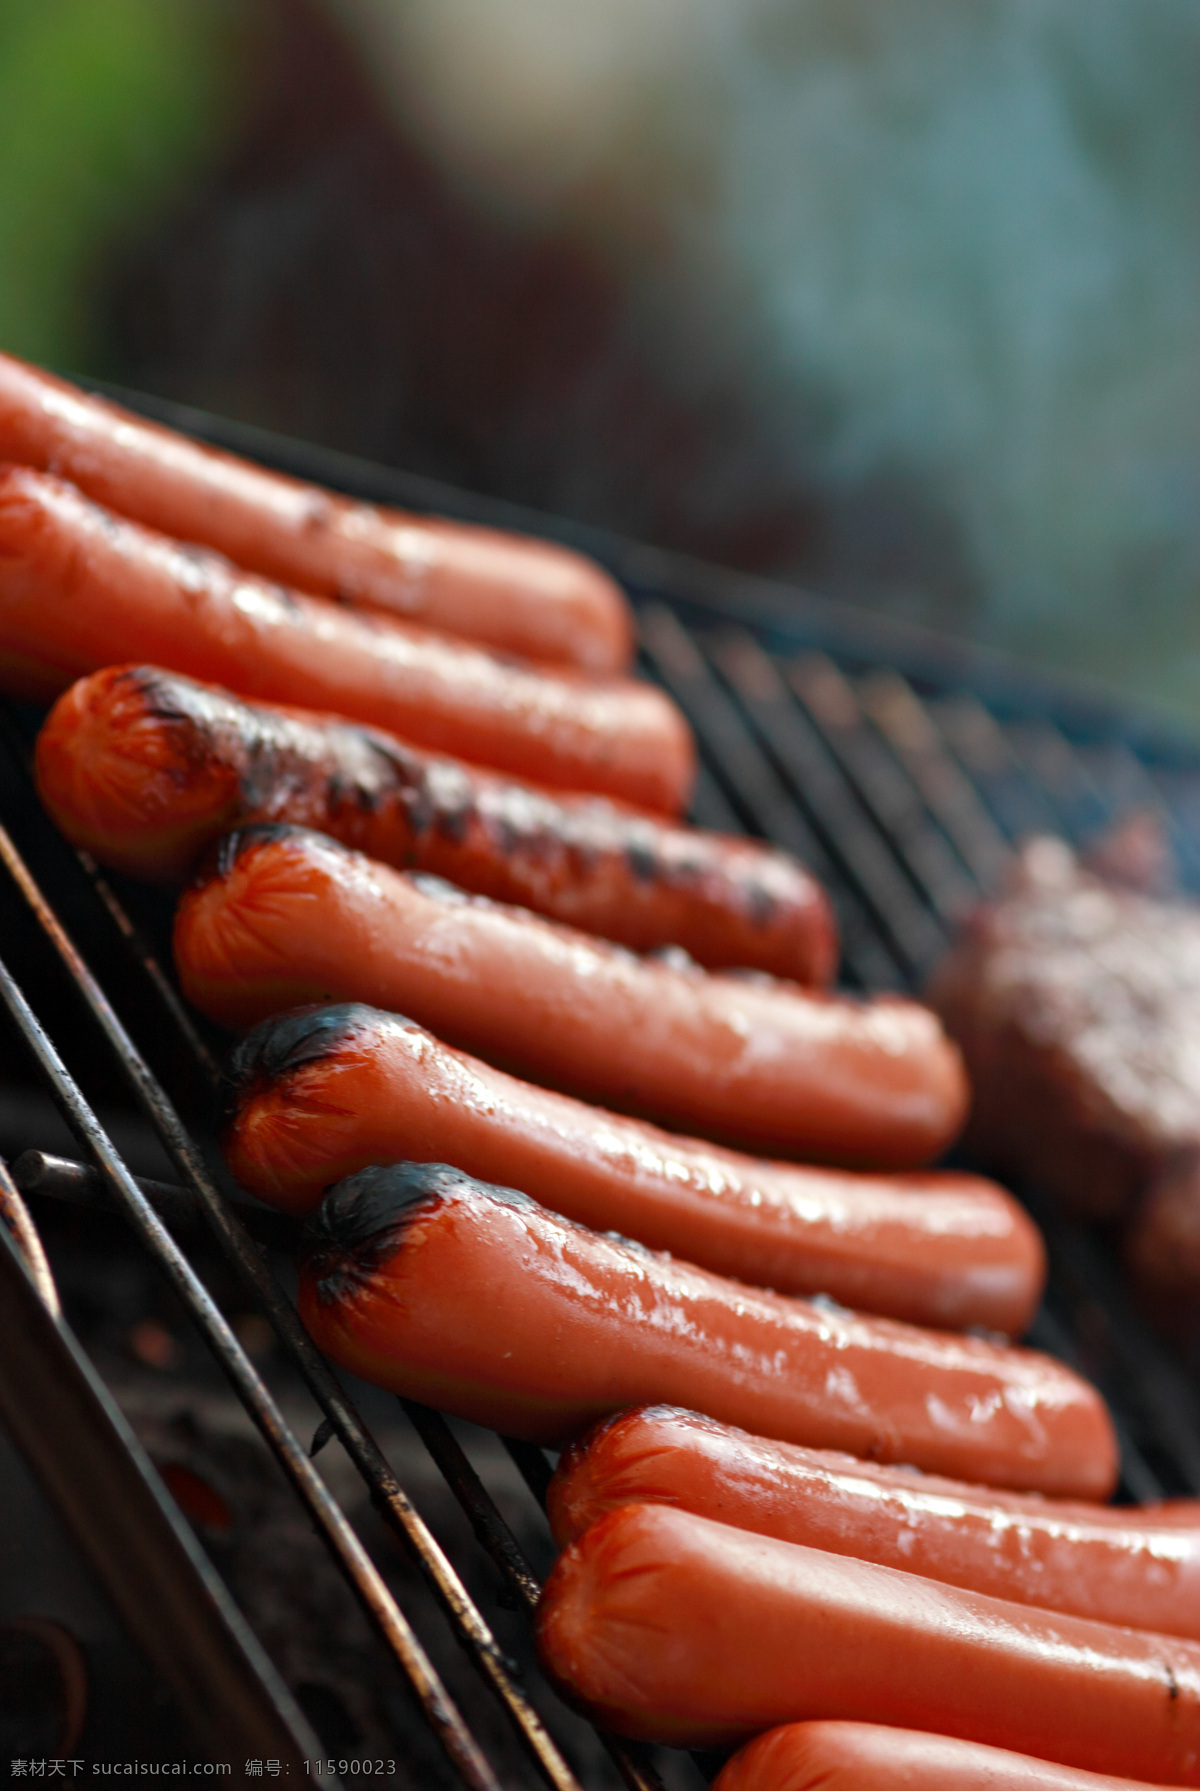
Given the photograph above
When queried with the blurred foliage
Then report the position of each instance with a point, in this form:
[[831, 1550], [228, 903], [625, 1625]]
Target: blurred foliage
[[106, 108]]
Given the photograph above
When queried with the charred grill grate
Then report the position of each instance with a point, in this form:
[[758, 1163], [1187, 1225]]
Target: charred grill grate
[[897, 767]]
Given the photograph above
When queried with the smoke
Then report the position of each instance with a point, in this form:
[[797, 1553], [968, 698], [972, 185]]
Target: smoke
[[949, 250]]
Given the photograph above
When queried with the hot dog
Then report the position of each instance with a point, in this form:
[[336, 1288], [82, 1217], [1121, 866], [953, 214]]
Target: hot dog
[[319, 1093], [286, 917], [670, 1627], [514, 594], [146, 768], [479, 1301], [871, 1757], [81, 588], [1116, 1565]]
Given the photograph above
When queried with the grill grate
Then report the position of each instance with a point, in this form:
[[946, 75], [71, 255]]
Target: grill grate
[[903, 772]]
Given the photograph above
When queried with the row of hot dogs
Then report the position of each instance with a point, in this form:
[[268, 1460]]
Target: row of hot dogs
[[714, 1584]]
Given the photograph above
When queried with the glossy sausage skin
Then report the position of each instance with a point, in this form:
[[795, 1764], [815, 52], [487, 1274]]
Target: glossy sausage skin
[[870, 1757], [1112, 1564], [669, 1627], [146, 768], [288, 917], [80, 588], [478, 1301], [512, 593], [317, 1094]]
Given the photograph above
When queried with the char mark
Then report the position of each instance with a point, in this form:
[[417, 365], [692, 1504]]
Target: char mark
[[259, 833], [286, 1041], [643, 861], [363, 1219]]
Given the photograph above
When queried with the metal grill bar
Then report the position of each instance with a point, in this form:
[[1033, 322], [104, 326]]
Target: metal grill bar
[[382, 1611], [763, 801], [894, 807], [1052, 762], [948, 796], [1129, 1370], [503, 1550], [491, 1531], [40, 1172], [112, 1502], [144, 957], [982, 748], [816, 778], [15, 1215], [750, 795], [339, 1412], [530, 1462], [903, 815], [1122, 1350]]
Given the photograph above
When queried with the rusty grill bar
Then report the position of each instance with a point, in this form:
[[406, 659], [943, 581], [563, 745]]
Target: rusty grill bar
[[903, 774]]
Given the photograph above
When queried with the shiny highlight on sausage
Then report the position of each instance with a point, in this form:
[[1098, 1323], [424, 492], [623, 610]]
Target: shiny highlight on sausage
[[510, 592], [286, 917], [1114, 1564], [669, 1627], [319, 1093], [476, 1300], [145, 769], [80, 588], [836, 1756]]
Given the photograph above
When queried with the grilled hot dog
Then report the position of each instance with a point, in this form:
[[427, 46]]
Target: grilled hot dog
[[81, 589], [1115, 1564], [145, 769], [670, 1627], [319, 1093], [479, 1301], [288, 917], [514, 594], [871, 1757]]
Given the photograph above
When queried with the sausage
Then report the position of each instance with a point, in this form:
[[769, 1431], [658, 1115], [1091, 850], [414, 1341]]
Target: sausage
[[477, 1300], [514, 594], [669, 1627], [285, 917], [1113, 1564], [81, 588], [319, 1093], [872, 1757], [145, 769]]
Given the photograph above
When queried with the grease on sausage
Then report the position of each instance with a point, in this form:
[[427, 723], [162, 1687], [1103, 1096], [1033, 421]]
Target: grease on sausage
[[81, 588], [1117, 1564], [833, 1756], [286, 917], [317, 1094], [670, 1627], [476, 1300], [510, 592]]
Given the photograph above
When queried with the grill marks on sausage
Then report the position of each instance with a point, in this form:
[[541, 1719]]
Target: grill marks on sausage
[[145, 768], [341, 765]]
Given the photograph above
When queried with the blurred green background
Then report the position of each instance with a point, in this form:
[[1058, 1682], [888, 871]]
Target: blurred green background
[[107, 109]]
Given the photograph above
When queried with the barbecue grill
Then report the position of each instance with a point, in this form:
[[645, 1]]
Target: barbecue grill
[[901, 767]]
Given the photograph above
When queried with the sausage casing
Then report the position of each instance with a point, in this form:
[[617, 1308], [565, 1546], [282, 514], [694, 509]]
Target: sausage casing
[[146, 768], [80, 588], [514, 594], [288, 917], [478, 1301], [872, 1757], [670, 1627], [317, 1094], [1114, 1564]]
